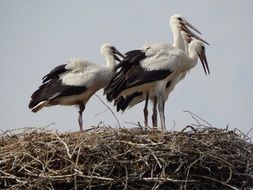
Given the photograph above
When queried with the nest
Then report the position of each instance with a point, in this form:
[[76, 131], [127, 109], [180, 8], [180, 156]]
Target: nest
[[112, 158]]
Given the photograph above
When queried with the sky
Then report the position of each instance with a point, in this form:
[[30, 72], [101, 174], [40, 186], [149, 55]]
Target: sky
[[36, 36]]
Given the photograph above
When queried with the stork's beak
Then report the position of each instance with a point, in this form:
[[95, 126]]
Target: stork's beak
[[202, 57], [191, 34], [186, 23], [117, 52], [116, 58]]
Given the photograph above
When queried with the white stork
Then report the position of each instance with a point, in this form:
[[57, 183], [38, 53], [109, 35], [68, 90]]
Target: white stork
[[165, 87], [129, 101], [149, 54], [145, 73], [74, 83]]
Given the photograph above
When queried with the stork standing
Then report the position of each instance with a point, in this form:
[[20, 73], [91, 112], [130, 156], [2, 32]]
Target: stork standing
[[163, 88], [127, 102], [135, 98], [152, 76], [149, 53], [74, 83]]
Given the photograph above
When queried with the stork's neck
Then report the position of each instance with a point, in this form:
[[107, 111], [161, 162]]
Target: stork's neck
[[193, 57], [178, 39], [110, 60]]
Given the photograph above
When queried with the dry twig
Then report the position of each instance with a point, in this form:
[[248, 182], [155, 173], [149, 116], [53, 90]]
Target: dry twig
[[108, 158]]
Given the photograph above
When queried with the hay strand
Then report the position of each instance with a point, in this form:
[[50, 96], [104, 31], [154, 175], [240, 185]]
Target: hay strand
[[108, 158]]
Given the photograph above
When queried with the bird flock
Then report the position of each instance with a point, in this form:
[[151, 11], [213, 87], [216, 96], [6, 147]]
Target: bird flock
[[146, 74]]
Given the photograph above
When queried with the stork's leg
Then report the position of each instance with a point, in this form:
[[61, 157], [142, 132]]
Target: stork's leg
[[154, 116], [161, 113], [163, 116], [80, 118], [145, 111]]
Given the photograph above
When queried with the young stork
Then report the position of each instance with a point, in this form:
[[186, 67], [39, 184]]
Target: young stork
[[177, 24], [74, 83], [127, 102], [124, 103], [154, 72], [164, 88]]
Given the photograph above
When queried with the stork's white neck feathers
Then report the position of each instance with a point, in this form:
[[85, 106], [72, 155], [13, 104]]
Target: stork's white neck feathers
[[175, 28], [193, 50], [110, 60], [178, 40], [106, 51]]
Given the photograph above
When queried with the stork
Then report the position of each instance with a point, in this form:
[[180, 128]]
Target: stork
[[164, 88], [153, 74], [177, 24], [129, 101], [75, 82]]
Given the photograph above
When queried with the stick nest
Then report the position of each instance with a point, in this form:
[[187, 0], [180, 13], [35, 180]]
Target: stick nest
[[112, 158]]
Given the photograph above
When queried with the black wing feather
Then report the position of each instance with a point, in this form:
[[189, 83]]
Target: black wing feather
[[131, 59], [140, 76], [122, 103], [134, 77], [54, 73], [54, 89], [131, 74]]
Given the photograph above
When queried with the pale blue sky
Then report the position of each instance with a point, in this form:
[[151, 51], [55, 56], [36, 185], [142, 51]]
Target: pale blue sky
[[36, 36]]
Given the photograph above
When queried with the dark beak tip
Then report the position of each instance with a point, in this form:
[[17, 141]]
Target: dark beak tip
[[192, 27], [116, 58], [120, 54]]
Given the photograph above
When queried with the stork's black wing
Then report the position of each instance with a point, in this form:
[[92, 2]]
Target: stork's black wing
[[53, 89], [54, 73]]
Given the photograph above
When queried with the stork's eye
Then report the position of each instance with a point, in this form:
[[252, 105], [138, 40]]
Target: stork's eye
[[148, 48], [180, 19], [113, 48]]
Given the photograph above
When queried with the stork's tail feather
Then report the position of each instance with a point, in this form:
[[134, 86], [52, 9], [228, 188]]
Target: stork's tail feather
[[115, 89], [123, 103], [36, 102], [120, 104], [40, 98], [38, 107]]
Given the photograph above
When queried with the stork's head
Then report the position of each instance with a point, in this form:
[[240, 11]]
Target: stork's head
[[107, 49], [179, 21], [199, 47], [176, 19]]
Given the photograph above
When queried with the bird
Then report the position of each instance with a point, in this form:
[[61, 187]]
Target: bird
[[164, 87], [129, 101], [150, 69], [75, 82], [129, 69], [170, 84], [177, 23]]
